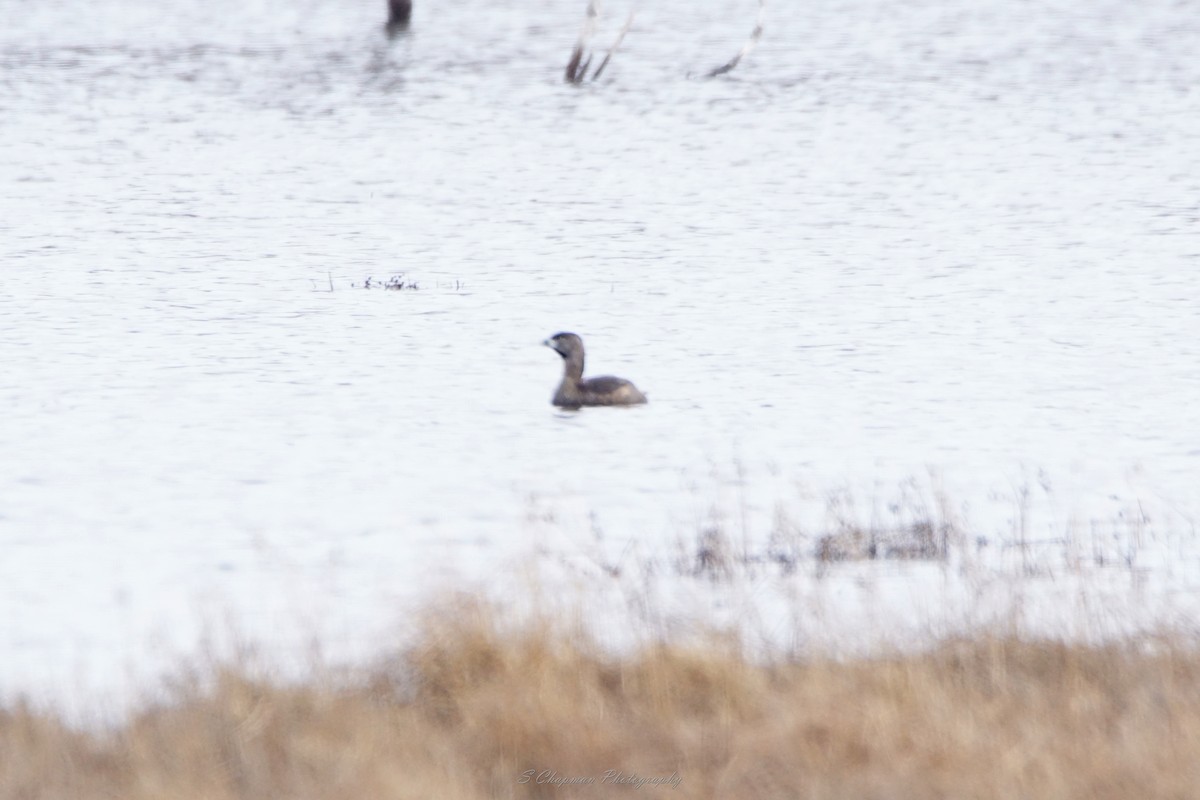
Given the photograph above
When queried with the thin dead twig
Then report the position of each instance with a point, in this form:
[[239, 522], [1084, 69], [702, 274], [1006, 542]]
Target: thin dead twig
[[608, 56], [749, 46]]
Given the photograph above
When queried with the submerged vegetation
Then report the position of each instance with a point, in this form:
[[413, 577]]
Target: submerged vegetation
[[479, 708], [395, 283]]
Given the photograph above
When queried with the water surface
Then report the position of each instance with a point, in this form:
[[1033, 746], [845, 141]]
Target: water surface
[[900, 239]]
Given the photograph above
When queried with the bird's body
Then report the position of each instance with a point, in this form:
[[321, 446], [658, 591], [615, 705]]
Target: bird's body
[[575, 391]]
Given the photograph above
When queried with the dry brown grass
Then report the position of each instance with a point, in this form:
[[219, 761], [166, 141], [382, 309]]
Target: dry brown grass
[[474, 707]]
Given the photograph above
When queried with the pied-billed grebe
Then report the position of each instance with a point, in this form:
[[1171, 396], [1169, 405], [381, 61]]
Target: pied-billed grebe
[[575, 392]]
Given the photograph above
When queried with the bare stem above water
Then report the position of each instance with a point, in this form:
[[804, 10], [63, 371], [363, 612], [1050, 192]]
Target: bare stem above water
[[749, 46], [577, 66]]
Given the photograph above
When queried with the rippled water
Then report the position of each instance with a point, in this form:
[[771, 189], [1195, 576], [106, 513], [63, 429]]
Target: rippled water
[[899, 239]]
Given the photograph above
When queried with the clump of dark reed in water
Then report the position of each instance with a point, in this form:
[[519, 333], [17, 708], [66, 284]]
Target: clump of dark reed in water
[[399, 15], [577, 66]]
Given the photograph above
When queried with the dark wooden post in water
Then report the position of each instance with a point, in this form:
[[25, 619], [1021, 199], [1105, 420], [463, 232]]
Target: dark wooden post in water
[[399, 13]]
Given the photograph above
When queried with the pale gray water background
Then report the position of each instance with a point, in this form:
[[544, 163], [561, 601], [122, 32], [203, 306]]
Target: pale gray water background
[[958, 239]]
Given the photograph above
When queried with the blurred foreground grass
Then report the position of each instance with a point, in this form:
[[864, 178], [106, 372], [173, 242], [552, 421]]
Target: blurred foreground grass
[[480, 708]]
